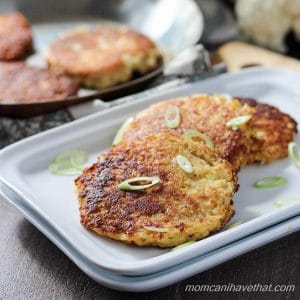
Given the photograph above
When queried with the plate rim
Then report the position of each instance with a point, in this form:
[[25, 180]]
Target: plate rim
[[134, 267]]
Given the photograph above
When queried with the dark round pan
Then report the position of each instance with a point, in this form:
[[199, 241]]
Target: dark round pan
[[25, 110], [49, 18]]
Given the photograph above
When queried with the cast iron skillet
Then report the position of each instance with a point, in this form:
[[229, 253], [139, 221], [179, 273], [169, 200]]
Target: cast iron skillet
[[173, 25]]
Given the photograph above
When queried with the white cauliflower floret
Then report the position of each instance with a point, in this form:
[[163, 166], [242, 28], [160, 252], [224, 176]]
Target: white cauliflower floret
[[267, 22]]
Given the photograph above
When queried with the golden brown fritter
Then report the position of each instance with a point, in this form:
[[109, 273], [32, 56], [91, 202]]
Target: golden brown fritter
[[103, 56], [20, 83], [15, 37], [207, 114], [271, 132], [264, 138], [185, 206]]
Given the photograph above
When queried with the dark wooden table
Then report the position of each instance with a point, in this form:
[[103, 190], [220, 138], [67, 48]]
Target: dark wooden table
[[31, 267]]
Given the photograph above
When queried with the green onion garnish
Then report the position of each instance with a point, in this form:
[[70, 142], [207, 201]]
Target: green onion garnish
[[184, 164], [126, 184], [270, 182], [172, 117], [191, 133], [225, 96], [282, 202], [156, 229], [294, 153], [236, 122], [232, 225], [68, 163], [183, 245], [120, 132]]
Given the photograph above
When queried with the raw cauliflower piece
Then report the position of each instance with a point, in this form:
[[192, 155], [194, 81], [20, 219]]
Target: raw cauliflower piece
[[267, 22]]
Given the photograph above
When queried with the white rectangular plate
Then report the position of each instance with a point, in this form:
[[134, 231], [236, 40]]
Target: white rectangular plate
[[24, 170], [165, 277]]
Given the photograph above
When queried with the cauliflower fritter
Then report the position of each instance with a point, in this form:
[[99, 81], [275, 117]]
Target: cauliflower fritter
[[271, 132], [207, 114], [181, 207], [15, 37], [103, 56], [263, 139], [20, 83]]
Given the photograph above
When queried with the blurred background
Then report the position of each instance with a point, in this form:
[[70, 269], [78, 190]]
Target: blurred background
[[274, 24]]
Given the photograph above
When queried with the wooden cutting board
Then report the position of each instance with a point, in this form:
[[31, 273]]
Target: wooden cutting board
[[238, 55]]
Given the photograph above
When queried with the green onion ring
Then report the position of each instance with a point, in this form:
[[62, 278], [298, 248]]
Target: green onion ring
[[118, 137], [183, 245], [225, 96], [156, 229], [172, 117], [191, 133], [236, 122], [184, 164], [270, 182], [294, 153], [282, 202], [78, 158], [68, 163], [63, 169], [126, 184]]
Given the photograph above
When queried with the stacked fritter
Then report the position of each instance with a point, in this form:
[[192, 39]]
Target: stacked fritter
[[172, 177], [263, 138]]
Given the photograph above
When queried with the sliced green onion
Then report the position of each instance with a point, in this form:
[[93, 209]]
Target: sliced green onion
[[184, 164], [282, 202], [294, 153], [227, 97], [183, 245], [78, 158], [120, 132], [191, 133], [68, 163], [232, 225], [236, 122], [172, 117], [61, 169], [126, 184], [270, 182], [156, 229]]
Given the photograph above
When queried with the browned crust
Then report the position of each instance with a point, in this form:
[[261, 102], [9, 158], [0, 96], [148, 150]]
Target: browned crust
[[191, 206], [271, 132], [15, 37], [207, 114], [20, 83], [97, 50], [263, 139]]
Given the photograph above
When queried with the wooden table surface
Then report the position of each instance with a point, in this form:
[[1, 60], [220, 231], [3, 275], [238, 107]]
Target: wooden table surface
[[31, 267]]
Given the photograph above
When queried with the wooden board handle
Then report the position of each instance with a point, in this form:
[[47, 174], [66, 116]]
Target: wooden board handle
[[237, 55]]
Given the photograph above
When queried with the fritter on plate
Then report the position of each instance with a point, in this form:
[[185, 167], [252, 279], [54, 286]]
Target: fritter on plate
[[20, 83], [15, 37], [263, 138], [185, 203], [103, 56], [271, 132], [206, 114]]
